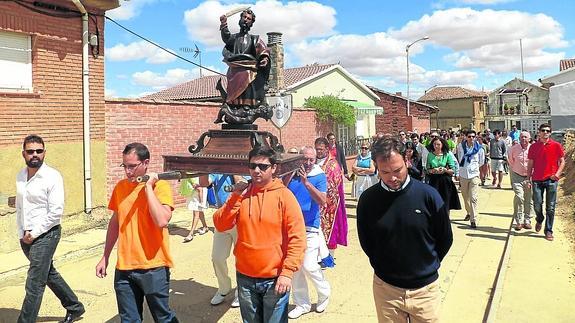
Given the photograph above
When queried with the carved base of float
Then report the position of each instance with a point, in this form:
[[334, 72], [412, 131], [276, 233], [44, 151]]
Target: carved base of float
[[226, 152]]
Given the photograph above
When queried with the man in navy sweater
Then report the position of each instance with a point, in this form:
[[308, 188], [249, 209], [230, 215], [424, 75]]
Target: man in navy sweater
[[404, 229]]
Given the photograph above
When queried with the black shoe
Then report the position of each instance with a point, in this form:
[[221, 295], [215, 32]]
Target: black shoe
[[71, 316], [467, 217], [473, 225]]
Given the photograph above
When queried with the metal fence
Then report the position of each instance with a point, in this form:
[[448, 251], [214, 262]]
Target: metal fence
[[352, 146]]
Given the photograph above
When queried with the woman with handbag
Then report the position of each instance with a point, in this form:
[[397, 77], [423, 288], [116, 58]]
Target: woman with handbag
[[364, 171], [440, 168]]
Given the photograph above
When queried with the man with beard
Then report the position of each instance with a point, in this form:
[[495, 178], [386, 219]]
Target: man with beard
[[248, 60], [309, 185], [400, 217], [39, 208]]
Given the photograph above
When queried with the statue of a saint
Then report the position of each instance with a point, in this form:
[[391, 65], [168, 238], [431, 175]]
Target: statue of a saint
[[248, 60]]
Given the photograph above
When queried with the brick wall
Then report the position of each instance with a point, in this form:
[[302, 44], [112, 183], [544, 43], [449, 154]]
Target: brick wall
[[395, 116], [170, 128], [54, 109]]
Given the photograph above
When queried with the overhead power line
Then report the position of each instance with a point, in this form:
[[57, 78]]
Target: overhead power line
[[162, 48]]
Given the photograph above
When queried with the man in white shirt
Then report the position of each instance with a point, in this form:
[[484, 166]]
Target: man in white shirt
[[470, 156], [39, 208]]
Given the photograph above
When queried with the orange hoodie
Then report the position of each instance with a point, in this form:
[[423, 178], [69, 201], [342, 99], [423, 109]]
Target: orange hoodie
[[271, 230]]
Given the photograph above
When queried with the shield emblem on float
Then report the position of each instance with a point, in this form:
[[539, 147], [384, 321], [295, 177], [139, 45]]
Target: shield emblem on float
[[282, 108]]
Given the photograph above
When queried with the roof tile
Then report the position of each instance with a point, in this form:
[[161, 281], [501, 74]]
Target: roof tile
[[565, 64], [450, 92], [205, 87]]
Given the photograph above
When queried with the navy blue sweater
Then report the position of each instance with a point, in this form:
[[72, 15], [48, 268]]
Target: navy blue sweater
[[405, 234]]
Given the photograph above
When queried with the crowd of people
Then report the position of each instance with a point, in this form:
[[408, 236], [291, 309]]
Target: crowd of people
[[284, 231]]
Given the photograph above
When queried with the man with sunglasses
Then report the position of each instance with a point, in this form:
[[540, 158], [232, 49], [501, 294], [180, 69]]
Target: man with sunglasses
[[544, 168], [39, 208], [142, 212], [271, 239], [471, 157]]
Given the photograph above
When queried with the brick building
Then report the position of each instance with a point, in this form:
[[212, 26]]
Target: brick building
[[41, 87], [169, 127], [396, 119]]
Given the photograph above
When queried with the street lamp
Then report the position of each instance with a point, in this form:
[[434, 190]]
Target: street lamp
[[407, 55]]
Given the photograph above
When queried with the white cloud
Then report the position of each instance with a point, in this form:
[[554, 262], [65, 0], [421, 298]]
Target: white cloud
[[128, 9], [489, 39], [296, 20], [137, 51], [110, 93], [171, 77]]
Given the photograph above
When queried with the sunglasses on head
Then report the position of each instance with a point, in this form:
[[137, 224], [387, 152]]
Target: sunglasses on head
[[545, 130], [31, 151], [262, 167]]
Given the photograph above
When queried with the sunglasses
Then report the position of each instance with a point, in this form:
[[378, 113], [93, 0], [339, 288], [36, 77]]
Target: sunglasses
[[471, 136], [545, 130], [32, 151], [262, 167], [364, 148]]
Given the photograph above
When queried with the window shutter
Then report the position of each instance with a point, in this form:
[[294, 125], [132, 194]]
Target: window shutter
[[15, 62]]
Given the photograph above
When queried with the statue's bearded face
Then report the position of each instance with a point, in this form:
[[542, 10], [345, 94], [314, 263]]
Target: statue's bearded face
[[246, 21]]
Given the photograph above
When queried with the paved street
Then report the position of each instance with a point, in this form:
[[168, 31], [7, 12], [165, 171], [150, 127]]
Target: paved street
[[536, 284]]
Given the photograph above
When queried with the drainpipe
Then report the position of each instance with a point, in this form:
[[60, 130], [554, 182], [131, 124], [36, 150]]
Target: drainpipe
[[86, 109]]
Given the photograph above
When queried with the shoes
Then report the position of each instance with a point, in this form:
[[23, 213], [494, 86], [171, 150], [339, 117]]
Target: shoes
[[71, 316], [518, 227], [321, 305], [467, 217], [297, 312], [538, 226], [473, 225], [527, 226], [189, 238], [498, 186], [218, 299], [203, 230], [549, 236], [236, 302]]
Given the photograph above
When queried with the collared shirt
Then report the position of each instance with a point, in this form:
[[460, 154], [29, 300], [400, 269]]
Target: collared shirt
[[387, 188], [39, 201], [518, 159], [545, 158], [470, 169]]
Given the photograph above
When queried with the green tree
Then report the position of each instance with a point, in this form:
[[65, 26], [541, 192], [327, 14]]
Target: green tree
[[329, 107]]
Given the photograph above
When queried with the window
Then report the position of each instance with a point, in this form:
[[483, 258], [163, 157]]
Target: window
[[15, 62]]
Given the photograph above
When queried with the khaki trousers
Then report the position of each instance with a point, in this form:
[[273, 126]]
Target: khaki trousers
[[221, 248], [394, 304], [469, 189]]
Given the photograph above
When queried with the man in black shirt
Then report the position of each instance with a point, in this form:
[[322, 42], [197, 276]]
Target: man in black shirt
[[404, 229]]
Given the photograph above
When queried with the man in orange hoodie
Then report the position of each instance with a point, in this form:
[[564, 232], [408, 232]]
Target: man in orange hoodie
[[271, 239]]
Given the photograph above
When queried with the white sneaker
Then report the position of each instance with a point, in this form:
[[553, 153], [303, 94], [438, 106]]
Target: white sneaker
[[236, 302], [217, 299], [297, 312], [203, 230], [321, 305]]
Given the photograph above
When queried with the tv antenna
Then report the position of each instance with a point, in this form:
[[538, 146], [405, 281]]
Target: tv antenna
[[197, 54]]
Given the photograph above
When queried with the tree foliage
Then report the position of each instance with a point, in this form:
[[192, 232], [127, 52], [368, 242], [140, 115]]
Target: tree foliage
[[329, 107]]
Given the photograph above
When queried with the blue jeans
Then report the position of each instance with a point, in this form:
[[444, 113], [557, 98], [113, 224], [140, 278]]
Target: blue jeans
[[259, 302], [133, 285], [548, 186], [42, 273]]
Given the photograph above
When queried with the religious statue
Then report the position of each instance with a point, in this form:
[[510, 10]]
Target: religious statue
[[248, 60]]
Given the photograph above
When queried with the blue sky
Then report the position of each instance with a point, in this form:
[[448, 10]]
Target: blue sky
[[473, 43]]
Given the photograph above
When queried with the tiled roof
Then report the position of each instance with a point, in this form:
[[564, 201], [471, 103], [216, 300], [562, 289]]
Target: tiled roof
[[450, 92], [204, 88], [566, 64], [376, 90]]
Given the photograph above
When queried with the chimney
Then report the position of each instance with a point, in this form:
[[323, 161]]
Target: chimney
[[276, 79], [398, 93]]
